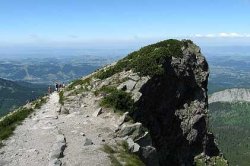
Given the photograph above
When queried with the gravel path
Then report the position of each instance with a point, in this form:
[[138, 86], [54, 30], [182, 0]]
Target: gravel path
[[48, 138]]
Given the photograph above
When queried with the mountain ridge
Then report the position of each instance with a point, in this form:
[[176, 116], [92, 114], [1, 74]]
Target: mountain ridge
[[230, 95]]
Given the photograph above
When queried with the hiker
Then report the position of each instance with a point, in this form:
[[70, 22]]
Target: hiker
[[57, 87], [60, 86], [49, 90]]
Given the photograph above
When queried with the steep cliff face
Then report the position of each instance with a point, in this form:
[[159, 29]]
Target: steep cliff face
[[173, 106]]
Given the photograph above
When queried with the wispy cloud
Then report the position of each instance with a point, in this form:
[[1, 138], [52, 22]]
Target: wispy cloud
[[223, 35]]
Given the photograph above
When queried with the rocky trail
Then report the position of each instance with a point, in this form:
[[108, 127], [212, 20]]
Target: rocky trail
[[50, 138]]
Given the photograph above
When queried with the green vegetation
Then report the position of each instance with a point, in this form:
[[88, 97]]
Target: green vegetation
[[105, 90], [216, 161], [15, 94], [61, 97], [85, 81], [79, 90], [38, 103], [116, 99], [9, 123], [121, 156], [147, 61], [231, 125]]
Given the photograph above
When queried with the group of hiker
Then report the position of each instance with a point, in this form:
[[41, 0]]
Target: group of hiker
[[58, 87]]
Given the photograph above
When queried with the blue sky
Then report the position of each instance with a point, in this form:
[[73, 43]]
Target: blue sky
[[122, 23]]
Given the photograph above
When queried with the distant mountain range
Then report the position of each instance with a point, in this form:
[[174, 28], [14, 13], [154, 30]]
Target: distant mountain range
[[50, 70], [14, 94], [230, 95], [229, 112]]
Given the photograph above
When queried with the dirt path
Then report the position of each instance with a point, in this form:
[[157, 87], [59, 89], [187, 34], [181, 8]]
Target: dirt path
[[48, 138]]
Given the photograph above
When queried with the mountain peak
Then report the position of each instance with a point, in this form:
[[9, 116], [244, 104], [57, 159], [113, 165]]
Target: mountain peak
[[150, 60]]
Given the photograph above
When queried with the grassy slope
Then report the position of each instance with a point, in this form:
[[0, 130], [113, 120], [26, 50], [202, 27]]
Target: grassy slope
[[12, 120], [149, 60], [231, 125]]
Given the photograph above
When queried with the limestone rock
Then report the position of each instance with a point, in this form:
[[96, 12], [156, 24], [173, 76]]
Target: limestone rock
[[134, 77], [87, 142], [57, 150], [128, 85], [64, 110], [58, 147], [123, 118], [144, 139], [55, 162], [133, 130], [149, 156], [97, 112], [133, 147], [60, 139]]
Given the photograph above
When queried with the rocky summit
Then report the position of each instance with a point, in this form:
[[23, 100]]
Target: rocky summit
[[149, 108]]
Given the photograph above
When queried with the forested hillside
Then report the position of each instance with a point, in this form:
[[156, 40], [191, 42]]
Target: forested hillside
[[230, 122], [14, 94]]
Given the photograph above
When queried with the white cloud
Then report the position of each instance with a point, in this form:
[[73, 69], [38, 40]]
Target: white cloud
[[198, 35], [223, 35], [210, 35]]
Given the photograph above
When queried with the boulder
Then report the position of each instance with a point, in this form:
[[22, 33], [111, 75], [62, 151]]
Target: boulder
[[97, 112], [134, 77], [133, 130], [128, 86], [55, 162], [57, 150], [149, 156], [123, 118], [144, 140], [132, 146], [87, 142], [60, 139], [64, 110]]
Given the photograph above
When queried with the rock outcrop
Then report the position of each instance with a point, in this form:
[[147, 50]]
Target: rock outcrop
[[167, 82]]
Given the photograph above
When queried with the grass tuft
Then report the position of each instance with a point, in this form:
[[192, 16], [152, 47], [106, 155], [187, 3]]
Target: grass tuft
[[120, 155], [85, 81], [9, 123], [116, 99], [61, 97], [38, 103]]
